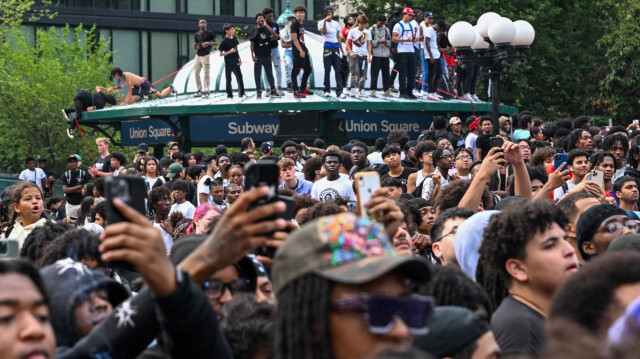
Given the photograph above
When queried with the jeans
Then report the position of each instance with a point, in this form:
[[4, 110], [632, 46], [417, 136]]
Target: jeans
[[380, 64], [265, 63], [235, 69], [435, 72], [331, 58], [425, 72], [202, 61], [288, 64], [445, 69], [301, 63], [406, 62], [277, 65], [358, 66]]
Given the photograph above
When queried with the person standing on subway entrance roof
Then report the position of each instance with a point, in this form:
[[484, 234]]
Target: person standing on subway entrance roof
[[203, 41]]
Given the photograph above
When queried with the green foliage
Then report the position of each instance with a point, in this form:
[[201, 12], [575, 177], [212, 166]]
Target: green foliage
[[39, 75], [562, 74]]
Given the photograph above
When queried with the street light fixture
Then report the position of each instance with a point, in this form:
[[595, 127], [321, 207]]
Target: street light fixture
[[487, 43]]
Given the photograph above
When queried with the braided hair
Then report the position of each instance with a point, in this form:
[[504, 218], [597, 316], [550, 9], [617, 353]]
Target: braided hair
[[37, 240], [303, 319]]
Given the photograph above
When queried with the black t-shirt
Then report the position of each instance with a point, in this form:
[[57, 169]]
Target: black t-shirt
[[226, 45], [104, 164], [72, 179], [404, 176], [89, 99], [482, 142], [456, 141], [260, 38], [201, 37], [298, 28], [519, 330], [274, 43], [444, 41]]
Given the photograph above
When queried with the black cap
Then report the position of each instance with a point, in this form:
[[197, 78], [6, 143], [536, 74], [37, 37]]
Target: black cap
[[143, 147], [220, 149], [266, 147]]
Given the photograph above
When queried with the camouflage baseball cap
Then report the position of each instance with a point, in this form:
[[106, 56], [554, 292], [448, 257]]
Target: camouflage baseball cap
[[345, 249]]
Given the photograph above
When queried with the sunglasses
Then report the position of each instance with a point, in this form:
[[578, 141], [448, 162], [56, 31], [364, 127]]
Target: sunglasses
[[380, 311], [215, 288]]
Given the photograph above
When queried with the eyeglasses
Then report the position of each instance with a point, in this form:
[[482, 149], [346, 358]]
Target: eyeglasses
[[615, 227], [215, 288], [446, 157], [525, 147], [453, 231], [380, 311], [463, 158]]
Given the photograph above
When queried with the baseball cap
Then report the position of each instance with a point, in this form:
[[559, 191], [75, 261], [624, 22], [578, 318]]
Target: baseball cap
[[174, 169], [342, 248], [428, 14], [407, 10], [220, 149], [143, 148], [455, 120], [71, 158], [266, 147]]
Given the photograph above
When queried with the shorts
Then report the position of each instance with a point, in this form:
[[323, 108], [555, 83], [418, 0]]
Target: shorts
[[144, 88]]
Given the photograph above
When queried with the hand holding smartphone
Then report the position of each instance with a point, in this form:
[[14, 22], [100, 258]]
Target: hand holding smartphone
[[366, 184], [559, 159], [130, 190]]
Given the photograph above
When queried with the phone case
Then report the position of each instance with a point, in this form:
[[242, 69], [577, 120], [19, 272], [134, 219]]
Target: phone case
[[131, 190], [597, 177], [558, 159], [366, 184]]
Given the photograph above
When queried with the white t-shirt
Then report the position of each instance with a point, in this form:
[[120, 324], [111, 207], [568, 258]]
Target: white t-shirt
[[431, 34], [417, 27], [470, 142], [559, 192], [332, 29], [150, 181], [203, 188], [364, 37], [33, 176], [325, 190], [166, 237], [375, 158], [409, 30], [186, 208]]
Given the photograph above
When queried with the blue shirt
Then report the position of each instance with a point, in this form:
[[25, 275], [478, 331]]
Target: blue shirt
[[303, 187]]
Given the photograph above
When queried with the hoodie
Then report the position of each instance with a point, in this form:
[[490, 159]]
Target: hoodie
[[468, 239]]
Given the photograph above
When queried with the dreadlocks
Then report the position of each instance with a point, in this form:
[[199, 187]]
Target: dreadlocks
[[37, 240]]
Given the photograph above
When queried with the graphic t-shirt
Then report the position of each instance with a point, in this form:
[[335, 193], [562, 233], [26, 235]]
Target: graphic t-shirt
[[359, 40], [226, 45], [260, 38], [72, 179], [325, 190], [298, 28], [274, 43]]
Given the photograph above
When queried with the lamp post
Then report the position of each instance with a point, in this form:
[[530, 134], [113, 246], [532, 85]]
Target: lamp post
[[487, 44]]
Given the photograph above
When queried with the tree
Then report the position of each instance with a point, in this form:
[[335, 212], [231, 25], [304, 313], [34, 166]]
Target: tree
[[39, 75]]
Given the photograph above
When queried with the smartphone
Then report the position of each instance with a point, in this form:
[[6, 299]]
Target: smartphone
[[366, 184], [496, 142], [558, 159], [598, 177], [130, 190], [267, 173], [9, 249]]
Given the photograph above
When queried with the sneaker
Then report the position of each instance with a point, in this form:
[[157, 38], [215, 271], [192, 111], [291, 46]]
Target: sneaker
[[431, 96], [299, 94], [393, 89], [274, 93], [306, 92], [326, 94], [230, 97], [143, 97], [174, 92], [70, 132], [66, 116], [437, 95], [412, 96], [373, 93], [362, 94], [289, 88], [387, 94], [244, 95], [468, 97], [476, 98], [353, 92], [267, 93], [198, 94], [205, 95], [416, 92], [279, 92], [259, 95], [342, 96], [404, 95]]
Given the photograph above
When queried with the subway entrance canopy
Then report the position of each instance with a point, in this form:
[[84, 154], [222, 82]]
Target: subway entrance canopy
[[218, 120]]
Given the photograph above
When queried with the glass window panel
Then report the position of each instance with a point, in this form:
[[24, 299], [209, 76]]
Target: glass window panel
[[101, 4], [163, 6], [255, 6], [163, 56], [126, 44], [200, 7]]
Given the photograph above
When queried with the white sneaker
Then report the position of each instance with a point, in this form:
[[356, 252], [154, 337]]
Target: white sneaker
[[362, 94], [387, 94], [416, 93], [279, 92], [373, 93], [326, 94], [342, 96], [468, 97], [438, 95], [353, 92], [476, 98], [432, 97], [70, 133], [267, 93]]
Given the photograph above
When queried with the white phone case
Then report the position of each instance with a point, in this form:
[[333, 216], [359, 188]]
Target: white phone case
[[366, 184]]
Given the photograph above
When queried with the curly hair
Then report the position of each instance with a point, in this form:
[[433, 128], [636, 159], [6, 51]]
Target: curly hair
[[40, 237], [120, 157], [410, 210], [425, 146], [157, 194], [244, 318], [311, 165], [574, 137], [508, 233], [302, 326], [76, 244], [304, 201], [540, 155], [452, 194]]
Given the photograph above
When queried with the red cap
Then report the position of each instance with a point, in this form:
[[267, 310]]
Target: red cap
[[407, 10], [475, 123]]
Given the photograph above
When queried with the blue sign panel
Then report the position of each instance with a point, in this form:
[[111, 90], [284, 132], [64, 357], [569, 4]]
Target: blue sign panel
[[373, 125], [148, 131], [230, 128]]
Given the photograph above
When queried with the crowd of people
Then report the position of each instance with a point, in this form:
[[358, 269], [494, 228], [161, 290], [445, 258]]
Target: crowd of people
[[474, 246]]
